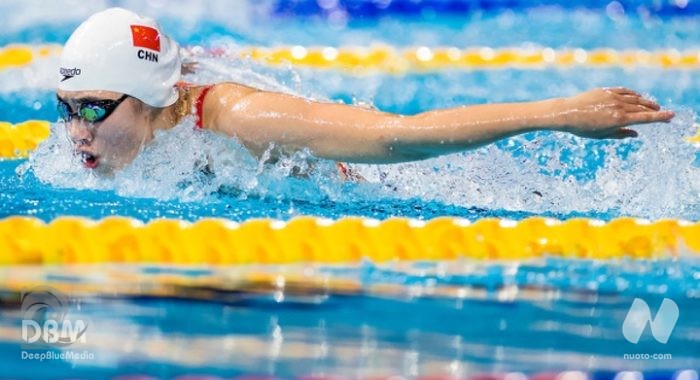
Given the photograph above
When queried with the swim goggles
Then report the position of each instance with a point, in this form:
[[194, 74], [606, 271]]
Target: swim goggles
[[92, 111]]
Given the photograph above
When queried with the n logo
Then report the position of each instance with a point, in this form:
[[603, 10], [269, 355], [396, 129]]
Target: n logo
[[661, 326]]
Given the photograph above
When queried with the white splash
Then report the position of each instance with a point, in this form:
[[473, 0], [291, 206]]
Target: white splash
[[166, 168], [660, 179]]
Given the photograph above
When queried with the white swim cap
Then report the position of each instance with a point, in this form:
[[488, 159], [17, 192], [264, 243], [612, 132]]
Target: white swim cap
[[118, 50]]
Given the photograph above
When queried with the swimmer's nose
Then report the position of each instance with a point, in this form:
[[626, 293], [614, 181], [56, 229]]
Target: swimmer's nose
[[79, 132]]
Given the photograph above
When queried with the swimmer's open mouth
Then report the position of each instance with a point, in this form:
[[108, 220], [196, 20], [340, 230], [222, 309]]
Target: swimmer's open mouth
[[89, 160]]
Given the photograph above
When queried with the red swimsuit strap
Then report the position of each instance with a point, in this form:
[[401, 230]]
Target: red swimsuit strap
[[199, 105]]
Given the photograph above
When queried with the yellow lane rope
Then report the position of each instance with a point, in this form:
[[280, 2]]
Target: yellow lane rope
[[384, 58], [12, 56], [360, 59], [69, 240], [18, 140]]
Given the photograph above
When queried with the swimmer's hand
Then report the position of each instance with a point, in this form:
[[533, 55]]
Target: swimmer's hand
[[603, 113]]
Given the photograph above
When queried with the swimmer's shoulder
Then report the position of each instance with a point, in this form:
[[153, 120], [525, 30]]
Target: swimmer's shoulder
[[218, 101]]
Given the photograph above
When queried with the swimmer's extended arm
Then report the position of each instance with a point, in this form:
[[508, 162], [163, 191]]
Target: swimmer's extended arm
[[353, 134]]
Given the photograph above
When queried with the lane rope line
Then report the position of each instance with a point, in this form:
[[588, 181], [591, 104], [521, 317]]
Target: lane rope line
[[74, 240], [384, 58]]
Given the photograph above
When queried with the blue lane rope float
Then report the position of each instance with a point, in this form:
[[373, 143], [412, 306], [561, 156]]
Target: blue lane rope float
[[429, 8]]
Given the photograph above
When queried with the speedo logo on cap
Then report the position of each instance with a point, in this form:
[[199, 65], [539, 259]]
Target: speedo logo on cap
[[68, 73], [148, 38]]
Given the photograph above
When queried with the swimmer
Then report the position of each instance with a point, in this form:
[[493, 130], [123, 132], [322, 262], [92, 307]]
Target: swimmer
[[120, 81]]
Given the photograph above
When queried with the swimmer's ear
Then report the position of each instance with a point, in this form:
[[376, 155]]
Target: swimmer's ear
[[188, 68]]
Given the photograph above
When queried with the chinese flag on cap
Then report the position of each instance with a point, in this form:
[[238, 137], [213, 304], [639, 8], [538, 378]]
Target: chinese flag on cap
[[145, 37]]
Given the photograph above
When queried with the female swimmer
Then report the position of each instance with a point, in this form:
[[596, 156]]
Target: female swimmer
[[120, 81]]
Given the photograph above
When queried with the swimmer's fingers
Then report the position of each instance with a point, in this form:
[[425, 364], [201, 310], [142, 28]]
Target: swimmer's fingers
[[632, 108], [638, 100], [622, 91], [649, 117]]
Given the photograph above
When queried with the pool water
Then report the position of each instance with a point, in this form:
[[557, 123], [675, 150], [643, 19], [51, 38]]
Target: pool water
[[409, 319], [451, 319]]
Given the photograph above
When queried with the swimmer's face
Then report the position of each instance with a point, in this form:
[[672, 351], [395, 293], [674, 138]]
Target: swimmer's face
[[110, 143]]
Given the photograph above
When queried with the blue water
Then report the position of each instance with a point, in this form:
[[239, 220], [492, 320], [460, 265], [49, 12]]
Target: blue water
[[454, 318], [438, 332], [536, 317]]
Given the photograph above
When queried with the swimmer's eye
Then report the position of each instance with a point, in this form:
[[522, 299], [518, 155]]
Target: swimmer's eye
[[92, 113]]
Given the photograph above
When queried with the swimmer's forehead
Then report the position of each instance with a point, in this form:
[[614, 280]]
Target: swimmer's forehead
[[88, 95]]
